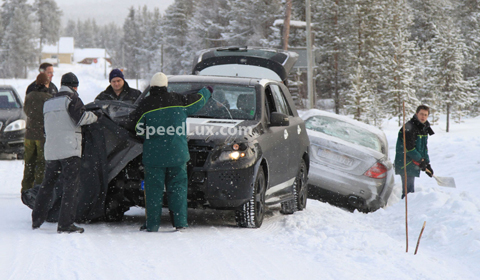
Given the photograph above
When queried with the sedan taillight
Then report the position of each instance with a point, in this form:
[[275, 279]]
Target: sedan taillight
[[377, 171]]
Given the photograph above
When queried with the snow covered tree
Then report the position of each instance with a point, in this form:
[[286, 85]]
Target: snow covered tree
[[251, 21], [397, 68], [19, 46], [71, 29], [330, 18], [357, 99], [448, 55], [48, 17], [130, 42], [209, 24], [177, 49]]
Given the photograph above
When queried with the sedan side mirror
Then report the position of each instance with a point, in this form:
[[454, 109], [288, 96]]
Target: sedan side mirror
[[279, 119]]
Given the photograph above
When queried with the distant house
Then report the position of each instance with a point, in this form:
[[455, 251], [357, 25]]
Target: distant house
[[91, 55], [61, 52]]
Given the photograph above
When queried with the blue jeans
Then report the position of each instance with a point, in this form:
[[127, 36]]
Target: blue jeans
[[410, 184]]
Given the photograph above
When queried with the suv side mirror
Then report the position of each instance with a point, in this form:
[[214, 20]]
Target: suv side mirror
[[279, 119]]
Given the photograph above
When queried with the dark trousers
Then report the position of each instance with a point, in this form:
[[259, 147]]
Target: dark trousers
[[175, 180], [34, 164], [410, 184], [69, 168]]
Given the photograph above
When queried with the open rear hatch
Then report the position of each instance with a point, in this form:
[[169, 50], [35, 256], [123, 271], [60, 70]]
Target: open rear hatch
[[248, 62]]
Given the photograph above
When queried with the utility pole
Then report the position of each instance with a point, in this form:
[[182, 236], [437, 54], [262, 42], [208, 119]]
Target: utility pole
[[311, 96], [286, 23]]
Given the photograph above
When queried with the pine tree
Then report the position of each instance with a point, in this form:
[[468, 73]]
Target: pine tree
[[129, 47], [48, 17], [177, 49], [448, 55], [251, 21], [397, 68], [19, 47]]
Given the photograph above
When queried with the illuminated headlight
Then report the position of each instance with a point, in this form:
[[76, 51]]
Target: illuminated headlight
[[16, 125], [231, 155]]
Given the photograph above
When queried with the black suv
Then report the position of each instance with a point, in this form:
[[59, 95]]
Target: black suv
[[12, 122], [248, 146]]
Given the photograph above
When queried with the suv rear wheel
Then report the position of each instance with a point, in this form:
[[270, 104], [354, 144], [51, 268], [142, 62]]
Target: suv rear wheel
[[252, 213]]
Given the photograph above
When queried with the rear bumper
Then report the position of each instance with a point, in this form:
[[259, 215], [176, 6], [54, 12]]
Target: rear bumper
[[359, 191], [12, 142]]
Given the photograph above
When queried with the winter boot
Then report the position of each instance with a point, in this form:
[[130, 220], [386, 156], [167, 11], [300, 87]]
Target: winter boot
[[70, 229]]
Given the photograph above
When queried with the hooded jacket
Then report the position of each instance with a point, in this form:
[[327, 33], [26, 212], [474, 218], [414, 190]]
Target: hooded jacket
[[128, 94], [166, 113], [416, 138], [64, 114], [34, 110]]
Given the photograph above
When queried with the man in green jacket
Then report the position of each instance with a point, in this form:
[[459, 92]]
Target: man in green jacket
[[34, 134], [162, 123], [417, 130]]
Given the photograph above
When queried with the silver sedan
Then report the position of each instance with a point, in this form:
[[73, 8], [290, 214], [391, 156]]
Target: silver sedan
[[349, 163]]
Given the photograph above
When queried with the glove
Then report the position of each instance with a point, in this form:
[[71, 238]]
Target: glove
[[423, 164], [429, 170], [210, 88], [99, 114]]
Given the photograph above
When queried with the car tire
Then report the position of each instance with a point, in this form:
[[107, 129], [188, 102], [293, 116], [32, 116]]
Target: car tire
[[252, 213], [300, 190], [114, 210]]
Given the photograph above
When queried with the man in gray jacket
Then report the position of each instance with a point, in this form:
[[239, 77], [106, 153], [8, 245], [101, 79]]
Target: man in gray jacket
[[64, 114]]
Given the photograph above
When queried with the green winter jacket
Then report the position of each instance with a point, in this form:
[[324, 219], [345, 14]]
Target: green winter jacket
[[33, 108], [416, 136], [162, 123]]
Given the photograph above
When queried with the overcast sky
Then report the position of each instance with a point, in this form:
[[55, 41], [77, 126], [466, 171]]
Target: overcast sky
[[105, 11]]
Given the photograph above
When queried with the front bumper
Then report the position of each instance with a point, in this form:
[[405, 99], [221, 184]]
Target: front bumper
[[12, 142], [220, 189]]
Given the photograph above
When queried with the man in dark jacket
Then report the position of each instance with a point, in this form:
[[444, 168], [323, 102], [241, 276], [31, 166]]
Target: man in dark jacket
[[417, 131], [46, 68], [119, 89], [34, 134], [162, 122], [64, 114]]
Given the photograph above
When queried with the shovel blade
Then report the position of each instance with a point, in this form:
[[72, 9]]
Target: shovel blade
[[445, 181]]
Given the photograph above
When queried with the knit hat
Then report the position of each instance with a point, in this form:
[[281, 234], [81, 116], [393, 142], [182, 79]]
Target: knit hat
[[159, 80], [42, 79], [69, 79], [116, 73]]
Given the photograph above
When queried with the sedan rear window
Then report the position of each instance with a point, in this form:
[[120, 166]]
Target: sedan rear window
[[345, 131], [8, 100]]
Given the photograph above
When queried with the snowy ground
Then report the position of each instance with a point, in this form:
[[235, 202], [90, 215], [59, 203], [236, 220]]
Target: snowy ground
[[321, 242]]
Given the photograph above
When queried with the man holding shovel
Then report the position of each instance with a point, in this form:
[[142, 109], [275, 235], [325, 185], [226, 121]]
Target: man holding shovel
[[417, 131]]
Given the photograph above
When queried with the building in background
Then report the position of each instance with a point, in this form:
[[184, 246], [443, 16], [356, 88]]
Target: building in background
[[61, 52]]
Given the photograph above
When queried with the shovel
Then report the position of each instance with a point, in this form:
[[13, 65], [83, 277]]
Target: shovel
[[443, 181]]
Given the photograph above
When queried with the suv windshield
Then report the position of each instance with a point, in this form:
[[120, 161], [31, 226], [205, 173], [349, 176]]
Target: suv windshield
[[227, 102], [344, 131], [8, 100]]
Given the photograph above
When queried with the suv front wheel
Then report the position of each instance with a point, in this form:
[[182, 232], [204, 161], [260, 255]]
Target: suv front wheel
[[252, 213], [299, 202]]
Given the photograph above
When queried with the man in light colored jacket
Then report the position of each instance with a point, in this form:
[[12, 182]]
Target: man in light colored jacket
[[64, 114]]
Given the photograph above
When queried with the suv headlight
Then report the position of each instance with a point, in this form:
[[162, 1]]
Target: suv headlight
[[16, 125], [235, 152]]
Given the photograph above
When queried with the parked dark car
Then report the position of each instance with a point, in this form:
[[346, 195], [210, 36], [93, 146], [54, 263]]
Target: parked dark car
[[349, 159], [248, 145], [12, 122]]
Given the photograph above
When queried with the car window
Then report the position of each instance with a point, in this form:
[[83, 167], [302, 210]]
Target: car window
[[8, 100], [280, 100], [227, 101], [345, 131]]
